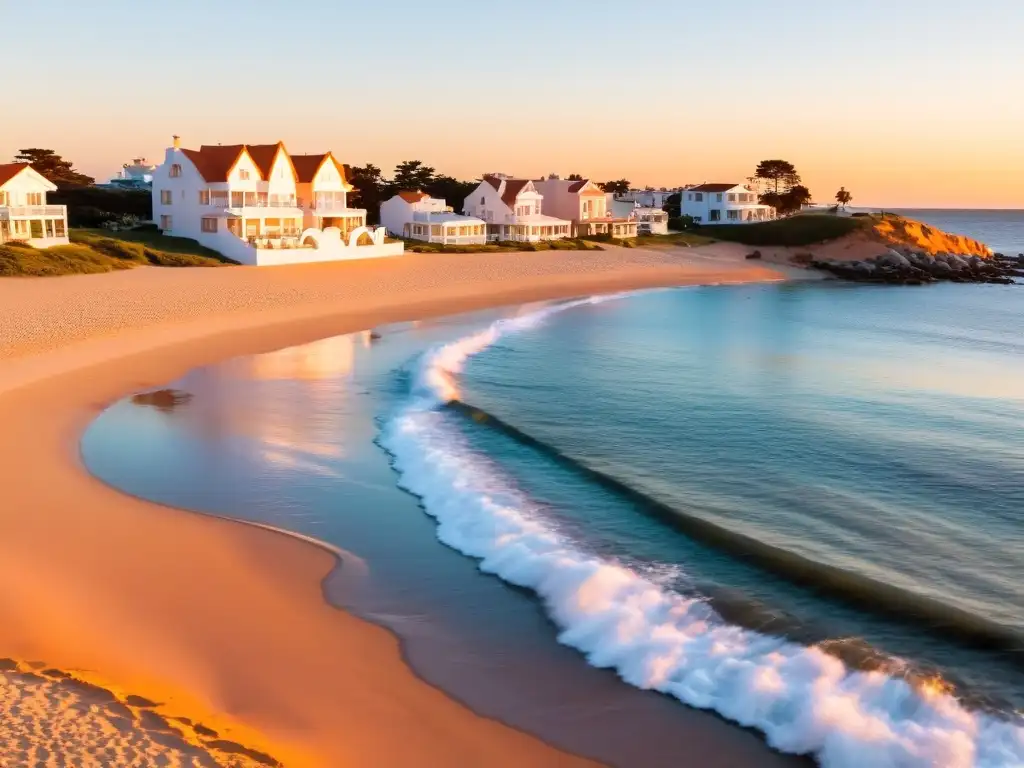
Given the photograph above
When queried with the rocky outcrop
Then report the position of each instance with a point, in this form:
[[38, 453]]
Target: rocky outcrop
[[901, 233], [909, 267]]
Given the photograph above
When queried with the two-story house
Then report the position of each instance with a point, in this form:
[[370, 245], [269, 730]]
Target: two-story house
[[255, 204], [513, 210], [24, 213], [724, 204], [418, 216], [585, 204]]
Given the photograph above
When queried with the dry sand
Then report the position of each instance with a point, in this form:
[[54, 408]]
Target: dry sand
[[201, 640]]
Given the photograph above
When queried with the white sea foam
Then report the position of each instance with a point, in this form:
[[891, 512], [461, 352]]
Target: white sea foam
[[804, 700]]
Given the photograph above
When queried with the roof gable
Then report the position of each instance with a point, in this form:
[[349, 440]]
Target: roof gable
[[265, 155], [10, 170], [514, 188], [215, 163], [308, 166]]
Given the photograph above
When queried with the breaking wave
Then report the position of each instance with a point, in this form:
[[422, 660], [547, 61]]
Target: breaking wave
[[804, 699]]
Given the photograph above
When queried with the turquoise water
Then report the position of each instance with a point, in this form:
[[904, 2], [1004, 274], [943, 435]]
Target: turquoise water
[[796, 506]]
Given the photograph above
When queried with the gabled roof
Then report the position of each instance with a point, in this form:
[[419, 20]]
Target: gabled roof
[[713, 187], [265, 154], [214, 163], [308, 166], [10, 170], [512, 188], [412, 197], [576, 186]]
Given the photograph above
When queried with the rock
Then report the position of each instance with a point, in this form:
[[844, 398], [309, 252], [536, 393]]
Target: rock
[[941, 269], [893, 259], [753, 255]]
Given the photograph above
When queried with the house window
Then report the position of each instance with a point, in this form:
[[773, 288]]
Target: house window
[[243, 174], [204, 197], [718, 197], [732, 215], [237, 199], [58, 228], [34, 198], [714, 215], [731, 197], [435, 229], [165, 223], [3, 198], [483, 200], [165, 197], [209, 224], [699, 197], [175, 171]]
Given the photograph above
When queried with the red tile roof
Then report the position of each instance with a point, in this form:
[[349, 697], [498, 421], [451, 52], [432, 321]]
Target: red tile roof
[[576, 186], [712, 187], [308, 166], [512, 188], [412, 197], [214, 163], [10, 170], [264, 155]]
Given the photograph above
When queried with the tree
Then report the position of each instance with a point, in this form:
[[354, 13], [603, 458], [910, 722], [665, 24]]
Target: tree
[[619, 187], [777, 173], [843, 197], [574, 177], [412, 175], [450, 189], [789, 201], [368, 189], [53, 167], [673, 204]]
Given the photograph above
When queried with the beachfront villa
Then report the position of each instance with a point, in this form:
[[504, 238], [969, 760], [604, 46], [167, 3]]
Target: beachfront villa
[[418, 216], [584, 204], [513, 210], [724, 204], [260, 205], [647, 198], [650, 221], [24, 213]]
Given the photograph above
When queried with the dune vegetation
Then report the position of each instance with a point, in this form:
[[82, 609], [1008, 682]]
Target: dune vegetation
[[93, 251]]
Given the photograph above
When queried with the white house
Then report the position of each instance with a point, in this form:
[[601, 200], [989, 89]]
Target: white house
[[418, 216], [257, 204], [584, 204], [724, 204], [512, 209], [24, 213], [135, 175], [651, 221], [647, 198]]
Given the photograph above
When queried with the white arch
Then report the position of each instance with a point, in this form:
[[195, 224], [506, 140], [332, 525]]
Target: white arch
[[313, 234]]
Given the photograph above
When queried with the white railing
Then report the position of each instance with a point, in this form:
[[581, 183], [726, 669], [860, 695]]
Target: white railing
[[34, 210], [254, 203]]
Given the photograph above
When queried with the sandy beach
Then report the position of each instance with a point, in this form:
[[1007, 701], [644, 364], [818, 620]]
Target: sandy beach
[[207, 641]]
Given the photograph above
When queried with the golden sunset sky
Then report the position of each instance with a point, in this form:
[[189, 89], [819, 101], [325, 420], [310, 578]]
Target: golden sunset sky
[[906, 102]]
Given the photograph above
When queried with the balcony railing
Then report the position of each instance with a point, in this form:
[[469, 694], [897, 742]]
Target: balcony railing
[[33, 210], [248, 203]]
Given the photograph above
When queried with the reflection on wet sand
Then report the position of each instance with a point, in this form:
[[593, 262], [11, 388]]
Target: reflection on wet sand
[[289, 403]]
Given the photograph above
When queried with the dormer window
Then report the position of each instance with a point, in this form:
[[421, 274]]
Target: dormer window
[[175, 171], [243, 174]]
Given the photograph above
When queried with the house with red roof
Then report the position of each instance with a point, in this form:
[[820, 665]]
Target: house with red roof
[[415, 215], [724, 203], [25, 216], [513, 210], [259, 204], [585, 204]]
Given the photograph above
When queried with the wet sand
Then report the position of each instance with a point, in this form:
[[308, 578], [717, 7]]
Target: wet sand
[[220, 624]]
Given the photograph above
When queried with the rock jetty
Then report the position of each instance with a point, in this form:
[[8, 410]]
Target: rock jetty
[[908, 267]]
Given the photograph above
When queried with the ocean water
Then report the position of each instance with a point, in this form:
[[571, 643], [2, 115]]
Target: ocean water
[[799, 507]]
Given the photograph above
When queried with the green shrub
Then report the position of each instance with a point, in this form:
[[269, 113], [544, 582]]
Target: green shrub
[[803, 229]]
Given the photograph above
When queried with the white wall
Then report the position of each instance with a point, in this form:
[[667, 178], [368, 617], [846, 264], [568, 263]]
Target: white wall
[[25, 183], [394, 214], [184, 208]]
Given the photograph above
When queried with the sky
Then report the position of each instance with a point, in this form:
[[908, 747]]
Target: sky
[[906, 103]]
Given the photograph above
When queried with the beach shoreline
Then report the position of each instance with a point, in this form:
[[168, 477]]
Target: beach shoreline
[[174, 606]]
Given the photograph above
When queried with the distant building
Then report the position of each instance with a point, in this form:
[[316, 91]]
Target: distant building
[[724, 204], [25, 215], [258, 204], [584, 204], [418, 216], [136, 175], [512, 210], [647, 198]]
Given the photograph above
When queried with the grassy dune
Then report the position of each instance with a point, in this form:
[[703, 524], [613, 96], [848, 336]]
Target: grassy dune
[[96, 250]]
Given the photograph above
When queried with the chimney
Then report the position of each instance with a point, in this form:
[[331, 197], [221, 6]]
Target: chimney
[[177, 141]]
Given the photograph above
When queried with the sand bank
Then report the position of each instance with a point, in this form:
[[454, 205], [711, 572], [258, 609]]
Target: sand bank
[[211, 621]]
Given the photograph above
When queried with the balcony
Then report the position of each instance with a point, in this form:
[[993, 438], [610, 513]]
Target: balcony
[[26, 211]]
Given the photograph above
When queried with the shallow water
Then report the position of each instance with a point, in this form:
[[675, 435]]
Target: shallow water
[[832, 466]]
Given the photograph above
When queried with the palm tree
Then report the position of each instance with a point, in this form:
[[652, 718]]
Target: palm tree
[[843, 197]]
